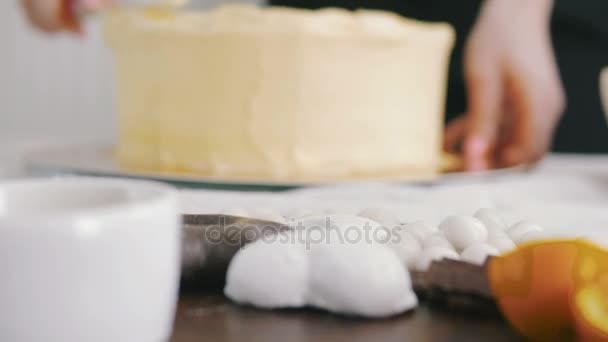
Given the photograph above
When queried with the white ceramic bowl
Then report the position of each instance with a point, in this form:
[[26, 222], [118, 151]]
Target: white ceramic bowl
[[88, 259]]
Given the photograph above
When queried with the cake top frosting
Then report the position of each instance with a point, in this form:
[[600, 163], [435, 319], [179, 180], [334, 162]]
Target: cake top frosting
[[241, 18]]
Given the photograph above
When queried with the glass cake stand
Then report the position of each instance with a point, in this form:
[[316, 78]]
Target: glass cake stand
[[98, 160]]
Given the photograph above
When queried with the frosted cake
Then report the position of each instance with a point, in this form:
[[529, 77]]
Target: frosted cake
[[278, 93]]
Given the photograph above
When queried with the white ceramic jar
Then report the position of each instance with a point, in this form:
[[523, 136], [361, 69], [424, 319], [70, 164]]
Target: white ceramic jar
[[88, 259]]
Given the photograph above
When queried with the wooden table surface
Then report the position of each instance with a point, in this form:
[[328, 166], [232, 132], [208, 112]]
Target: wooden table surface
[[211, 317]]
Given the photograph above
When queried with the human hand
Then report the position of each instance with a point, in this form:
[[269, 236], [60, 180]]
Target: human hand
[[60, 15], [515, 95], [49, 15]]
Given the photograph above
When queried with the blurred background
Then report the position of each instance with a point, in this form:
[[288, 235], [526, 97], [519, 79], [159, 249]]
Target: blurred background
[[60, 87], [56, 87], [52, 86]]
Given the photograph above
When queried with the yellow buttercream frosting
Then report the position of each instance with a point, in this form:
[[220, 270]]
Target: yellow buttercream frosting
[[279, 93]]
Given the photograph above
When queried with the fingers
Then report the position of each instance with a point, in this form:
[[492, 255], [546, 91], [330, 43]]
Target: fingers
[[43, 14], [514, 155], [51, 15], [69, 16], [518, 140], [538, 101], [484, 89], [454, 134]]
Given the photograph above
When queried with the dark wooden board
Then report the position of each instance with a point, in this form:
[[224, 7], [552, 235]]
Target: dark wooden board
[[211, 317]]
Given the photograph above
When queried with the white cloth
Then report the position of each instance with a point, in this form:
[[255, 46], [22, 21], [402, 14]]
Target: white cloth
[[568, 194]]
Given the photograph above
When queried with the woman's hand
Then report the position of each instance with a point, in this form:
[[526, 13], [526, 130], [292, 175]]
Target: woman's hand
[[60, 15], [48, 15], [515, 95]]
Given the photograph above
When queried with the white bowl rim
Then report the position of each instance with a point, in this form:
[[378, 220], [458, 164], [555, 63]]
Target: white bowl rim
[[143, 194]]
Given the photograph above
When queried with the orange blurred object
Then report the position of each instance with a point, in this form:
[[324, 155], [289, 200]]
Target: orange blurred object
[[551, 290], [591, 311]]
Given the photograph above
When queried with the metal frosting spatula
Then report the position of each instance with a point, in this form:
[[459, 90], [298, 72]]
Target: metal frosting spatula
[[211, 241], [94, 6], [73, 11]]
